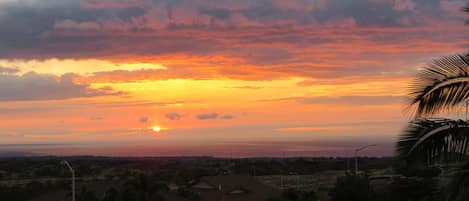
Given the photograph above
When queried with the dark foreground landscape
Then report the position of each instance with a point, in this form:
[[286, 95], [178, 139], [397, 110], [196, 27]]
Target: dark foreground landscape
[[207, 179]]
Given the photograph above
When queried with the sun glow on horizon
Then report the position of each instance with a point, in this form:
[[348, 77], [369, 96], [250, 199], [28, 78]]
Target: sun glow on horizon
[[156, 129]]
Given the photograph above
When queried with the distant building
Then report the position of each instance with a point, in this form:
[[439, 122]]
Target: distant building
[[233, 188]]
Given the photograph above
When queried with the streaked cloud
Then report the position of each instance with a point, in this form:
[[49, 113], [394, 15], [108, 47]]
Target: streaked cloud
[[249, 40], [228, 116], [207, 116], [5, 70], [97, 118], [174, 116], [143, 119], [345, 100], [34, 86]]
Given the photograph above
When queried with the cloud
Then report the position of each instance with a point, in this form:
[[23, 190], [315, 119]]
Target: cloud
[[143, 119], [207, 116], [353, 100], [454, 8], [345, 100], [403, 5], [5, 70], [396, 79], [246, 87], [227, 116], [33, 86], [174, 116], [97, 118], [244, 39]]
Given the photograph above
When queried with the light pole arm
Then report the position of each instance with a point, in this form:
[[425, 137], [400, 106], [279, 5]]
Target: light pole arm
[[364, 147], [356, 155]]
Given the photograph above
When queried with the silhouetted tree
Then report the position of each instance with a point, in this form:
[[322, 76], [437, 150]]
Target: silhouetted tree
[[143, 188], [458, 189], [295, 195], [440, 86], [352, 187], [85, 195], [112, 195], [466, 9], [413, 189]]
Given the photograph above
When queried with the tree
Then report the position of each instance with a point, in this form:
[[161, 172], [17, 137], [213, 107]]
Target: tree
[[143, 188], [352, 187], [112, 195], [440, 86], [85, 195], [295, 195], [466, 9], [413, 189]]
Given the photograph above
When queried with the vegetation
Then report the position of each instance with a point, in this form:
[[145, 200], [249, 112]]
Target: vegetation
[[118, 179], [441, 86], [414, 189], [352, 187], [144, 188], [25, 192], [296, 195]]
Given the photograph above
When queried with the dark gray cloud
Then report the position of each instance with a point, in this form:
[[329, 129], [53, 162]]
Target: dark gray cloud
[[280, 38], [174, 116], [5, 70], [143, 119], [31, 25], [207, 116], [363, 12], [34, 86], [227, 116], [25, 23], [219, 13], [97, 118]]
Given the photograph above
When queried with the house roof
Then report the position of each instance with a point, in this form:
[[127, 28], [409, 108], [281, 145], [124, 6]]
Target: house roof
[[254, 190]]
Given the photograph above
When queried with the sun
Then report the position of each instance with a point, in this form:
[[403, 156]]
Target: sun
[[156, 129]]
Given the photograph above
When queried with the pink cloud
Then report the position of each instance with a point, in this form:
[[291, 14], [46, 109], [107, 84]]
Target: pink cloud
[[403, 5], [453, 8]]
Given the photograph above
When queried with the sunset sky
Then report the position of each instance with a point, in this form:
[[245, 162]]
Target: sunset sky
[[214, 77]]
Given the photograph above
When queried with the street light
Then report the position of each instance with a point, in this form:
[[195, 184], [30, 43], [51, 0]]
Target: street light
[[356, 152], [64, 162]]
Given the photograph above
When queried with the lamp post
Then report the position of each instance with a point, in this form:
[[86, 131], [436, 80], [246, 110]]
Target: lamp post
[[64, 162], [356, 153]]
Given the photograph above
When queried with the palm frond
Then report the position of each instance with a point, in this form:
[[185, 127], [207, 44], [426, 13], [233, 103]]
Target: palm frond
[[466, 9], [440, 85], [434, 140], [458, 189]]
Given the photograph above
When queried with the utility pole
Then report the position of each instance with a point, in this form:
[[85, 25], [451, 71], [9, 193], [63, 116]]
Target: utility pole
[[356, 153], [73, 177]]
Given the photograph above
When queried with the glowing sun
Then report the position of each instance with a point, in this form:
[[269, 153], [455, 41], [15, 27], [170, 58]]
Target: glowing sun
[[156, 129]]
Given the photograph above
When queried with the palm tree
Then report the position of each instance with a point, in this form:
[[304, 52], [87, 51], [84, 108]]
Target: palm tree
[[440, 86], [466, 9], [433, 140]]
